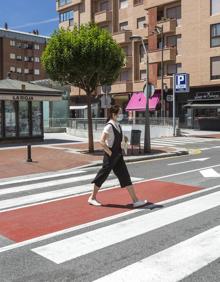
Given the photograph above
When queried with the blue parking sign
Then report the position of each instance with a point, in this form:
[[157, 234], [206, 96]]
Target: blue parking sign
[[182, 83]]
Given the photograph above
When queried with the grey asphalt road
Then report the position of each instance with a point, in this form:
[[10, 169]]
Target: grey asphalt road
[[19, 263]]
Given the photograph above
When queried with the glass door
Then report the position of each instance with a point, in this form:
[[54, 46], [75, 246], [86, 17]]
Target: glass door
[[37, 127], [10, 119], [23, 114]]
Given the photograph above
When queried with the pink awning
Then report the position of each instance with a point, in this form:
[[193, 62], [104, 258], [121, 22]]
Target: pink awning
[[138, 102]]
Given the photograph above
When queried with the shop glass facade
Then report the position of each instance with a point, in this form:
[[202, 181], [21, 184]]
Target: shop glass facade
[[21, 119]]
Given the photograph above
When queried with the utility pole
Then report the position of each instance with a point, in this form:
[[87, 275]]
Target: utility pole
[[147, 143]]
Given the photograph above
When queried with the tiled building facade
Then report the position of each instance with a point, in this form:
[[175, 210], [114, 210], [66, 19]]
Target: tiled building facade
[[191, 41]]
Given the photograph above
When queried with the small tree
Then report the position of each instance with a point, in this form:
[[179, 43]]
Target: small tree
[[86, 57]]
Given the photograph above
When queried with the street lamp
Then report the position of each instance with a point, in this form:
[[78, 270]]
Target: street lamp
[[147, 144], [159, 30]]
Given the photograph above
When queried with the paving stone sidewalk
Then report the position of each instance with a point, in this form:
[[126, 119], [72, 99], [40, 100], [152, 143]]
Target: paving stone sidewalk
[[52, 158]]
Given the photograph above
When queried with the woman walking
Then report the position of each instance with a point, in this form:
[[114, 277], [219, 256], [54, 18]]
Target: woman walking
[[113, 159]]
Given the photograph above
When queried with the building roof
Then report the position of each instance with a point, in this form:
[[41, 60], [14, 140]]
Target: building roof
[[15, 34], [11, 85]]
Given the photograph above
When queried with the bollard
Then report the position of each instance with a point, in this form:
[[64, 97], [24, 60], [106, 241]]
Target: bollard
[[29, 159]]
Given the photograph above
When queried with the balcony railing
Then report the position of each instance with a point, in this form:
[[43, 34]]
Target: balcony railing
[[103, 16], [122, 36], [156, 56], [169, 25]]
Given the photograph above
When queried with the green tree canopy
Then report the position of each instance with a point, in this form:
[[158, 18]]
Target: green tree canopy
[[85, 57]]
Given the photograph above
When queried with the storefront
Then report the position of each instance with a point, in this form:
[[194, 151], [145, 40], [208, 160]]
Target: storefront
[[21, 110], [203, 111]]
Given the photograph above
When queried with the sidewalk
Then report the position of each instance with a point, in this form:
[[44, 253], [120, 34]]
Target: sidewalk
[[62, 156]]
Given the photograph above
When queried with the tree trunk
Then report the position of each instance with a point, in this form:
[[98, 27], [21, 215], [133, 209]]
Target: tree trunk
[[90, 129]]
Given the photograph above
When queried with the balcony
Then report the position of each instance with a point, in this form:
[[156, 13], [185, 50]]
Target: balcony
[[128, 62], [122, 87], [169, 25], [138, 86], [156, 56], [67, 4], [122, 36], [168, 81], [103, 16], [143, 32], [155, 3]]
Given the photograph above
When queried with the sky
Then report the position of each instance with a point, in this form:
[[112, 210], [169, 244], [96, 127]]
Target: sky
[[26, 15]]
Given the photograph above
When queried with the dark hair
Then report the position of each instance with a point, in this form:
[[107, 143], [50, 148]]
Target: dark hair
[[113, 110]]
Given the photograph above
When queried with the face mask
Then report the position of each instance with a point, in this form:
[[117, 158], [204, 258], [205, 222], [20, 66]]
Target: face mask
[[120, 117]]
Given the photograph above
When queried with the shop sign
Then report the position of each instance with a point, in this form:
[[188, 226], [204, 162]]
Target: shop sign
[[23, 98], [207, 95], [29, 98]]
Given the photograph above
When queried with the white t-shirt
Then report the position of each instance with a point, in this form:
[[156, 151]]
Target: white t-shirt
[[109, 130]]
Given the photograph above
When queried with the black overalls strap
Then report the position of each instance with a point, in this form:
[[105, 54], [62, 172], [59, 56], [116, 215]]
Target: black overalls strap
[[116, 147]]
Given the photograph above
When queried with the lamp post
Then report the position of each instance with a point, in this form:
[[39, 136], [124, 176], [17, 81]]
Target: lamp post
[[159, 30], [147, 143]]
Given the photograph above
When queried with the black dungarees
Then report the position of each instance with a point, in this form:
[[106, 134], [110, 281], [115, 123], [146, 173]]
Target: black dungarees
[[115, 162]]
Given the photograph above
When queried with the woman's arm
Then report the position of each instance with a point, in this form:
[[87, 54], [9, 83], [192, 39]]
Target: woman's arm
[[103, 144]]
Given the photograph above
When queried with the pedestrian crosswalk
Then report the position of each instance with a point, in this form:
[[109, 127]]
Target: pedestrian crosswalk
[[119, 249], [178, 141], [27, 192]]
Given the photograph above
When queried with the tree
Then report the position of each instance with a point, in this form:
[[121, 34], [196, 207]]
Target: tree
[[85, 57]]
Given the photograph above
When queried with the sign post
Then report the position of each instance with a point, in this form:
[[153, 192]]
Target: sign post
[[180, 85]]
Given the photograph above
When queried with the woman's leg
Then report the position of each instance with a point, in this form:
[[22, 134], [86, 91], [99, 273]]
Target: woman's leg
[[121, 171], [132, 193], [94, 192]]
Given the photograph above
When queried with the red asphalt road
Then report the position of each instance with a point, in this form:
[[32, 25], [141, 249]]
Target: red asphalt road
[[30, 222]]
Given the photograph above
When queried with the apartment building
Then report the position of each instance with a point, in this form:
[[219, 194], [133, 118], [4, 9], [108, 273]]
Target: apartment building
[[20, 54], [191, 33]]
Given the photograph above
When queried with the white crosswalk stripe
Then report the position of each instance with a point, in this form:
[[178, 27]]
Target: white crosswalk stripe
[[74, 247], [178, 141], [23, 195], [170, 265]]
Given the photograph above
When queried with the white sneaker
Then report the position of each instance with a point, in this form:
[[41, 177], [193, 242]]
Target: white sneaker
[[94, 202], [139, 203]]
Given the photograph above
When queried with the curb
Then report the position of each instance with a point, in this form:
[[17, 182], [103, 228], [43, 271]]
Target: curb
[[143, 158]]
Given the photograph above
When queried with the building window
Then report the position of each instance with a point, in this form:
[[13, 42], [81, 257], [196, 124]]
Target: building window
[[12, 56], [12, 69], [215, 68], [36, 46], [36, 71], [124, 76], [143, 75], [19, 58], [18, 70], [141, 22], [67, 16], [215, 7], [12, 43], [19, 45], [26, 71], [37, 60], [63, 2], [123, 4], [174, 13], [104, 5], [126, 50], [215, 35], [138, 2], [123, 26]]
